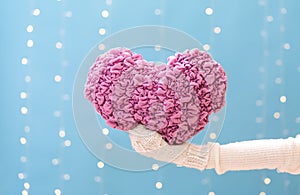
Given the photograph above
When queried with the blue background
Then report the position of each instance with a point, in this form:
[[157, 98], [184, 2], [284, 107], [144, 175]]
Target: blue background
[[258, 46]]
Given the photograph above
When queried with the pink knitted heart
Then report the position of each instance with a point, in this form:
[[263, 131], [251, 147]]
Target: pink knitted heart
[[174, 99]]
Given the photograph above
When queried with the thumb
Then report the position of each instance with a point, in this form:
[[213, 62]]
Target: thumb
[[145, 141]]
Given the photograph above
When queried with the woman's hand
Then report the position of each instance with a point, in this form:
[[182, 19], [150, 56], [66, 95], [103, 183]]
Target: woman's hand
[[150, 144]]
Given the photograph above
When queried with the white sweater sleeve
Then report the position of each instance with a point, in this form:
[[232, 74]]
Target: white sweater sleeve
[[280, 154]]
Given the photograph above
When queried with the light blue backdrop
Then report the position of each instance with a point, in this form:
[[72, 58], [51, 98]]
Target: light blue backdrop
[[41, 151]]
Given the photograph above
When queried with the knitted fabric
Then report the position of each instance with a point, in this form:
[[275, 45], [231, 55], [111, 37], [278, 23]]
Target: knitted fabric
[[150, 144], [280, 154]]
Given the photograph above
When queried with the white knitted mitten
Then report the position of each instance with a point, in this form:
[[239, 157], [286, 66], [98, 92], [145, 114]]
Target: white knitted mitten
[[150, 144]]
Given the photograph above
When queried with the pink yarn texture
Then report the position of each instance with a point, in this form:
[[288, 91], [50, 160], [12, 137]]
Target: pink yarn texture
[[174, 99]]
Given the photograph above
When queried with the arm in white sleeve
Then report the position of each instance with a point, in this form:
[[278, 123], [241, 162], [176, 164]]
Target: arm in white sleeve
[[280, 154]]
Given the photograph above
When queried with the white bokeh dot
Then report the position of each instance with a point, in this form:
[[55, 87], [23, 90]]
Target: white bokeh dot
[[263, 33], [23, 95], [262, 193], [24, 192], [97, 179], [67, 177], [211, 193], [68, 14], [205, 181], [108, 2], [105, 131], [104, 13], [108, 146], [278, 62], [209, 11], [57, 113], [283, 99], [36, 12], [57, 191], [259, 102], [66, 97], [55, 161], [24, 61], [67, 143], [26, 185], [100, 164], [23, 159], [287, 46], [62, 133], [157, 12], [24, 110], [285, 132], [29, 28], [278, 80], [267, 181], [158, 185], [276, 115], [27, 129], [157, 47], [21, 176], [27, 79], [58, 45], [298, 68], [23, 140], [283, 10], [101, 47], [259, 119], [102, 31], [57, 78], [155, 167], [217, 30], [297, 119], [270, 18], [206, 47], [29, 43], [212, 136]]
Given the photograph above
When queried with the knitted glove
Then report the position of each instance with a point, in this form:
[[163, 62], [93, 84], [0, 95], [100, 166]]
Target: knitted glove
[[150, 144]]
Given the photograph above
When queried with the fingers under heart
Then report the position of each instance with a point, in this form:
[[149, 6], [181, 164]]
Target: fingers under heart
[[151, 144]]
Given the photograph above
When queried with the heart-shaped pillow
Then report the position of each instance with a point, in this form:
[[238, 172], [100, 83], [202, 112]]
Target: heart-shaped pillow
[[175, 99]]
